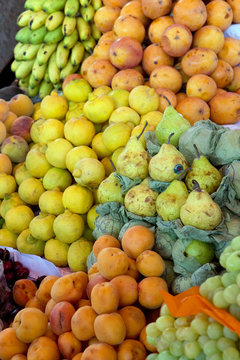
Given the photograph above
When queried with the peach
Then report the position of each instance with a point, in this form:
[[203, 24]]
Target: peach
[[101, 51], [4, 110], [69, 345], [149, 295], [49, 333], [20, 105], [93, 340], [110, 328], [192, 13], [43, 348], [23, 291], [165, 76], [225, 108], [132, 269], [15, 147], [136, 239], [21, 127], [157, 27], [127, 79], [107, 36], [235, 5], [223, 74], [180, 96], [105, 17], [99, 352], [10, 345], [49, 306], [126, 52], [127, 25], [118, 3], [210, 37], [134, 320], [82, 323], [78, 356], [93, 270], [201, 86], [199, 61], [134, 8], [193, 109], [9, 120], [69, 287], [105, 298], [44, 289], [143, 339], [230, 51], [166, 97], [29, 324], [154, 9], [83, 302], [19, 357], [35, 303], [112, 262], [150, 263], [235, 83], [131, 350], [85, 65], [154, 56], [5, 164], [69, 78], [219, 13], [176, 40], [104, 241], [98, 279], [60, 317], [127, 289], [100, 73]]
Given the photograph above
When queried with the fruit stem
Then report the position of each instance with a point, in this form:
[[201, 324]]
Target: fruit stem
[[146, 124], [114, 168], [196, 185], [169, 138], [195, 147], [183, 173]]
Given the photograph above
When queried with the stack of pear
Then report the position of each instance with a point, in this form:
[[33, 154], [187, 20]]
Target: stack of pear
[[110, 190]]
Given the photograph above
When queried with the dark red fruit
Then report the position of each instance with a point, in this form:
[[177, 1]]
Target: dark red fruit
[[8, 266], [1, 253], [22, 273], [10, 277], [17, 265]]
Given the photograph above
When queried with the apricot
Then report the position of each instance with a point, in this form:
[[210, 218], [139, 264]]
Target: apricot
[[201, 86], [9, 120], [150, 263], [19, 357], [220, 91], [230, 51], [105, 297], [4, 110], [43, 348], [101, 51], [127, 289], [134, 8], [100, 73], [105, 17], [44, 290], [223, 74], [20, 105], [176, 40], [82, 323], [23, 291], [10, 345], [21, 126], [49, 333], [127, 25], [199, 61], [69, 345], [219, 13], [104, 241], [29, 324], [35, 303], [132, 269], [134, 320], [110, 328], [210, 37], [127, 79], [154, 9], [112, 262], [235, 83], [235, 5], [149, 295], [165, 76], [49, 306], [125, 53], [5, 164], [191, 13], [15, 147], [154, 56], [143, 339], [225, 108], [78, 356], [93, 270], [157, 27], [136, 239], [193, 109], [180, 96], [166, 97], [131, 350], [99, 351], [107, 36], [85, 65], [83, 302], [60, 317], [118, 3]]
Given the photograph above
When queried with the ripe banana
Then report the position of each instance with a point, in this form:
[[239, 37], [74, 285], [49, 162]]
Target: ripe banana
[[87, 13], [23, 18], [30, 52], [34, 5], [70, 41], [68, 25], [77, 53], [46, 75], [54, 20], [24, 69], [50, 6], [71, 7], [44, 53], [38, 35], [23, 83], [32, 92], [14, 65], [18, 51], [85, 2], [53, 37], [62, 55], [32, 82], [38, 71], [67, 70], [89, 44], [96, 33], [84, 29], [45, 88], [37, 20], [23, 35], [97, 4], [53, 70]]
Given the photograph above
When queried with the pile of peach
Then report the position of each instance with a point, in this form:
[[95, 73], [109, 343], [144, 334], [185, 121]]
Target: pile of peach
[[101, 315]]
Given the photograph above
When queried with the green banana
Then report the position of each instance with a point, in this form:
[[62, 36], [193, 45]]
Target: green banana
[[38, 71], [50, 6], [96, 33], [23, 83], [68, 25], [89, 44], [44, 53], [84, 29], [23, 35], [58, 87], [53, 37], [37, 20], [34, 5], [32, 82], [67, 70], [97, 4], [77, 53], [62, 55], [38, 35], [54, 20], [30, 52], [45, 89], [23, 18], [18, 50], [53, 70], [85, 2], [24, 69], [46, 75], [71, 7], [32, 92], [70, 41], [14, 65], [87, 13]]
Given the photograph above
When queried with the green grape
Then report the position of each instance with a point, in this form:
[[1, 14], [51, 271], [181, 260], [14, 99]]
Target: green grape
[[152, 357], [166, 355], [161, 345], [216, 356], [152, 330], [176, 348], [213, 282], [202, 340], [233, 261], [237, 278], [186, 334], [235, 243], [219, 300], [223, 258], [204, 290], [234, 310], [229, 278], [169, 334], [164, 322], [229, 334], [200, 326], [231, 353], [181, 322], [192, 349], [201, 316], [238, 300], [215, 331], [224, 343], [164, 310], [230, 293], [183, 357], [210, 347]]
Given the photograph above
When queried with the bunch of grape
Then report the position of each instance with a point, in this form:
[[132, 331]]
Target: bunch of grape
[[196, 337]]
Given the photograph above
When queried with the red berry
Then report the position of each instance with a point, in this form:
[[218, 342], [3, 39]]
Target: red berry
[[7, 265]]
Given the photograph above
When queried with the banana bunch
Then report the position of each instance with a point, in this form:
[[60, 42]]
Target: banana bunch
[[53, 40]]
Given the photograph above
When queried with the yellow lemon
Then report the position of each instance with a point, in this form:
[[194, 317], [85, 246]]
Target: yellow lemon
[[35, 131], [91, 216], [101, 90], [116, 154], [143, 99], [116, 135], [22, 173], [36, 162], [7, 184], [57, 178], [120, 97], [57, 151], [77, 90], [77, 199], [51, 129], [54, 107], [68, 227], [9, 201], [99, 147], [18, 218], [27, 244], [41, 226], [8, 238], [98, 108], [124, 114], [79, 131], [56, 251], [89, 172], [153, 118], [51, 202], [30, 190], [78, 153], [78, 253], [75, 110]]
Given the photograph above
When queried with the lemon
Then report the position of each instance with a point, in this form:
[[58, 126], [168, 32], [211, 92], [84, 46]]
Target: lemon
[[89, 172], [125, 114], [54, 107], [98, 146], [91, 216], [116, 154], [78, 153], [68, 227], [98, 108], [22, 173], [116, 135], [8, 238], [75, 110], [7, 184], [57, 151], [10, 201], [78, 253], [36, 162], [79, 131], [153, 118], [51, 129], [120, 97], [18, 218], [30, 190], [41, 226], [108, 167], [55, 177], [56, 251], [77, 199], [101, 90], [77, 90], [35, 131], [51, 202], [143, 99], [27, 244]]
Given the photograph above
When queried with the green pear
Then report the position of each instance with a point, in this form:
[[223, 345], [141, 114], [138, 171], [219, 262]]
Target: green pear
[[207, 176], [170, 201], [89, 172], [172, 122], [141, 200], [203, 252], [200, 210], [110, 190], [168, 164]]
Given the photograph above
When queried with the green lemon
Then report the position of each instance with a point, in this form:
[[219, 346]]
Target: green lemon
[[57, 178], [18, 218], [56, 251], [9, 201], [30, 190], [41, 226], [68, 227], [78, 253], [27, 244]]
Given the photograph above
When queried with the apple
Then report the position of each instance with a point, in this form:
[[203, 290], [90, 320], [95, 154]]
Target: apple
[[201, 251]]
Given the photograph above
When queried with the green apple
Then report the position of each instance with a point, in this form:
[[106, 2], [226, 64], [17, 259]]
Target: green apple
[[201, 251]]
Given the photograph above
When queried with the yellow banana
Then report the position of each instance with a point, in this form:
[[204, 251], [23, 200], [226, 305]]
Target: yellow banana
[[23, 18], [96, 33], [62, 55], [87, 13], [67, 70], [84, 29], [70, 41], [37, 20], [24, 69], [38, 71], [97, 4], [54, 20], [31, 51], [53, 70], [32, 92], [77, 53], [19, 50], [44, 53], [45, 89], [68, 25], [89, 44], [71, 7], [14, 65]]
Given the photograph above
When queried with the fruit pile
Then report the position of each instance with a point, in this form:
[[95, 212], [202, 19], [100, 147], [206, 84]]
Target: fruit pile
[[13, 270]]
